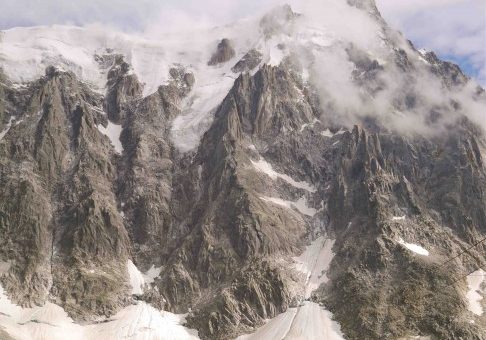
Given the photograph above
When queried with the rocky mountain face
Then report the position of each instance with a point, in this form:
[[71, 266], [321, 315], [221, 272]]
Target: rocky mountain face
[[93, 183]]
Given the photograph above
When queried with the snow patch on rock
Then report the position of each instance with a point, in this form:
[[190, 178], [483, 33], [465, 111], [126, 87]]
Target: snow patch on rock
[[311, 124], [310, 321], [198, 110], [475, 293], [137, 280], [300, 205], [422, 54], [276, 328], [263, 166], [414, 247], [327, 133], [276, 52], [47, 322], [113, 132], [7, 128], [314, 322], [142, 322], [151, 274]]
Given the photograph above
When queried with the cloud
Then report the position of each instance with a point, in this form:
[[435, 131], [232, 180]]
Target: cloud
[[353, 89], [454, 28], [395, 7], [187, 14], [127, 15], [121, 13]]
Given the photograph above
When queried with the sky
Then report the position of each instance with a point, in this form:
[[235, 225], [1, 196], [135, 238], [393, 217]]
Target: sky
[[454, 29]]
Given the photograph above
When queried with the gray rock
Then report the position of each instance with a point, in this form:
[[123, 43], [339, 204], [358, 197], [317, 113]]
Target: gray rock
[[249, 61], [224, 52]]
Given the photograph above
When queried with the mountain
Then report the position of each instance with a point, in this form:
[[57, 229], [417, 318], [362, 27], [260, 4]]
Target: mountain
[[300, 175]]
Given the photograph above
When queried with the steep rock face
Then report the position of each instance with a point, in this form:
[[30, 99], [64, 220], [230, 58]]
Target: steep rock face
[[122, 87], [228, 225], [380, 178], [269, 103], [147, 177], [61, 210], [259, 292], [5, 104]]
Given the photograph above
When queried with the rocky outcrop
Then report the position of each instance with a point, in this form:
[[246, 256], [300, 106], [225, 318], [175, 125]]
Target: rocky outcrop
[[224, 52], [260, 292], [122, 87], [269, 103], [249, 61], [215, 243], [450, 73]]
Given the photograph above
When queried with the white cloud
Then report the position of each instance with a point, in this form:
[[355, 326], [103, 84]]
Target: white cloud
[[398, 6], [450, 27], [118, 12], [123, 14]]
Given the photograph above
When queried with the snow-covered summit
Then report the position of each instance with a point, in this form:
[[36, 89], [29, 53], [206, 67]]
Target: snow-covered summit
[[317, 37], [25, 52]]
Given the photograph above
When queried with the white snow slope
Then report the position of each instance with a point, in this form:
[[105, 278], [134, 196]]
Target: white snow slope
[[51, 322], [138, 280], [314, 262]]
